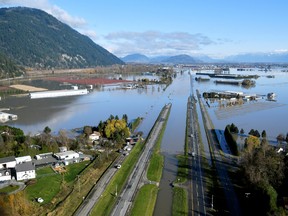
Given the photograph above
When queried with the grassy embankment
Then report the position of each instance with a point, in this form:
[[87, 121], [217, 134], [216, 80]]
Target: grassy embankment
[[146, 197], [180, 196]]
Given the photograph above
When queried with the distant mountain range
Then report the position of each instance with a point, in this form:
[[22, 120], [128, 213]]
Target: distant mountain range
[[186, 59], [33, 38]]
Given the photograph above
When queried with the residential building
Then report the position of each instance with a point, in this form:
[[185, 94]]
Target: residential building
[[7, 162], [25, 171]]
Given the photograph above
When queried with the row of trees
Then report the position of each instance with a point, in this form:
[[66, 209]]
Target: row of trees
[[263, 171]]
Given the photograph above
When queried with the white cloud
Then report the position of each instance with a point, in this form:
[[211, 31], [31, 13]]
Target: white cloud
[[155, 43], [281, 51], [54, 10]]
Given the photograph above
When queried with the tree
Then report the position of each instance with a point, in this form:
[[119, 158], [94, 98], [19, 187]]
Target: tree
[[251, 132], [251, 143], [242, 131], [256, 133], [125, 117], [280, 137], [87, 130], [263, 134], [47, 130]]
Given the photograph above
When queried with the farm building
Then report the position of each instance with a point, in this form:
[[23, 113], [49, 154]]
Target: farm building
[[57, 93]]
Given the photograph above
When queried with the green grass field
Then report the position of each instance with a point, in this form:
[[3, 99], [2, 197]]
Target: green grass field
[[47, 185], [180, 203], [74, 169], [145, 201]]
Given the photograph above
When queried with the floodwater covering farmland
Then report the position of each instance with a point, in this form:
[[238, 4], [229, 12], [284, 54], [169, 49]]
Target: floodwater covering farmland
[[66, 113]]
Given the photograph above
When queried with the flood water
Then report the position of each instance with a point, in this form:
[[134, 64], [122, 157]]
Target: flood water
[[77, 111]]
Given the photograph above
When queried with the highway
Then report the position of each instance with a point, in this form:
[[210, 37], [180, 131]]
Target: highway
[[196, 189], [136, 178], [89, 201], [230, 195]]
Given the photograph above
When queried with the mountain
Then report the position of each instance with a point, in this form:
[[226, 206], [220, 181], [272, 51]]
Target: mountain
[[136, 58], [33, 38], [178, 59], [181, 59], [259, 58]]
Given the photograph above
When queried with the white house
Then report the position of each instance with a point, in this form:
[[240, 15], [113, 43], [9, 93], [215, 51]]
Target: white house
[[25, 171], [68, 155], [7, 162], [94, 136], [5, 175], [24, 159]]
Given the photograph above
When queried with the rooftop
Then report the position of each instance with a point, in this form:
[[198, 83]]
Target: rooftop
[[25, 167], [7, 159]]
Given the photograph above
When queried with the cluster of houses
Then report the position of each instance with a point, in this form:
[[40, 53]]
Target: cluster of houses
[[23, 168]]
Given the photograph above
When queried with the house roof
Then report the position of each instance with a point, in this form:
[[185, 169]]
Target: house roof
[[25, 167], [7, 159], [59, 154]]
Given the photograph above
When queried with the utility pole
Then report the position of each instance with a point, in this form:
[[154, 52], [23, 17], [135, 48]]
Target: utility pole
[[78, 183]]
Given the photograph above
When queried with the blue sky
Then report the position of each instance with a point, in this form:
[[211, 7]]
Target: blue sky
[[216, 28]]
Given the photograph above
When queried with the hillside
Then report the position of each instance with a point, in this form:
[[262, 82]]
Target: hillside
[[8, 68], [33, 38]]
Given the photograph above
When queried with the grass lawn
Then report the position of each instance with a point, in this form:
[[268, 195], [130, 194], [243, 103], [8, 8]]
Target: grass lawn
[[47, 186], [9, 188], [180, 203], [74, 169], [145, 201], [156, 164]]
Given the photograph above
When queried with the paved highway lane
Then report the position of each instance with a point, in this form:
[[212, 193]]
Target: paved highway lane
[[136, 178], [196, 193]]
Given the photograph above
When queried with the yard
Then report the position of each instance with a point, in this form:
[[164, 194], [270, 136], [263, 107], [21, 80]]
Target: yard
[[48, 183]]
